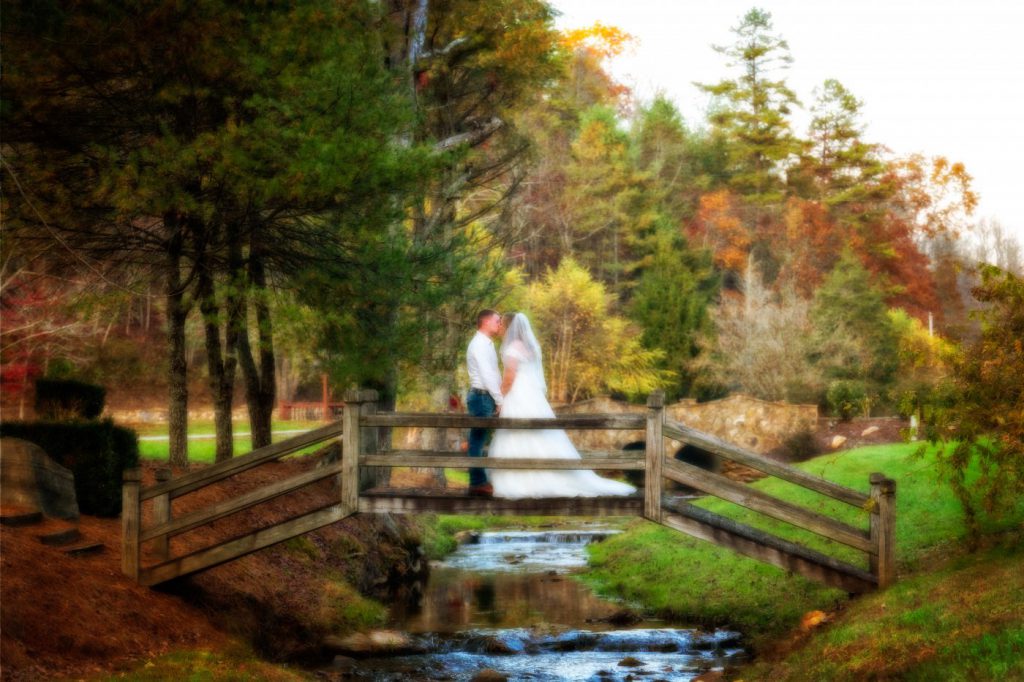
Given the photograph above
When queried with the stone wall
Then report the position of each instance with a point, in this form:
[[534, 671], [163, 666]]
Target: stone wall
[[757, 425]]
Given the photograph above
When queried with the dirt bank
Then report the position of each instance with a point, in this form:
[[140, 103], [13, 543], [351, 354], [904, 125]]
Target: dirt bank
[[66, 615]]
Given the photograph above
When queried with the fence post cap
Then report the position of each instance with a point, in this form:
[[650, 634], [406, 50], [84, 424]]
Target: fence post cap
[[886, 485], [132, 476], [163, 474], [656, 398]]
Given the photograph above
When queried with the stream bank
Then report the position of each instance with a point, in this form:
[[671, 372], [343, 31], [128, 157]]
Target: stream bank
[[506, 604]]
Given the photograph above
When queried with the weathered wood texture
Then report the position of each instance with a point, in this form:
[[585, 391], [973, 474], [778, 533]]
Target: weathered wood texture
[[350, 447], [461, 421], [246, 544], [368, 439], [655, 455], [230, 506], [752, 498], [161, 515], [398, 458], [725, 532], [685, 434], [398, 503], [131, 522], [217, 472], [362, 463], [883, 529]]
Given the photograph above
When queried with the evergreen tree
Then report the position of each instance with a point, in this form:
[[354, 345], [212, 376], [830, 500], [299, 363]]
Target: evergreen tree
[[853, 335], [753, 109], [612, 207], [205, 140], [670, 304]]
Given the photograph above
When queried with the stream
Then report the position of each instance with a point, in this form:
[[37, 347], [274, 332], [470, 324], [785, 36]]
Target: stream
[[504, 601]]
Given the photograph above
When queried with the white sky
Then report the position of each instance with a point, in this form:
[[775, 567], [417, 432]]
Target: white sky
[[940, 77]]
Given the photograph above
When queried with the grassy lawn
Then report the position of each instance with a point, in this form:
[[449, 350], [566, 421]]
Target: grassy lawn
[[691, 580], [962, 622], [202, 450]]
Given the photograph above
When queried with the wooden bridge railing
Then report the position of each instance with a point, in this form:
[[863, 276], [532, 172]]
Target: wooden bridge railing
[[358, 492]]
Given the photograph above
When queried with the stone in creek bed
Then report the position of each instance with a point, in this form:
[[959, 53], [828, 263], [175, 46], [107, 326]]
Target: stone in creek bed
[[374, 642], [489, 675], [631, 662]]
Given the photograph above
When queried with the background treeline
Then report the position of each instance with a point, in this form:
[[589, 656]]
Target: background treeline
[[268, 192]]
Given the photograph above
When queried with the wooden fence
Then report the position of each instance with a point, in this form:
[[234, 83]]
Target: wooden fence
[[357, 480]]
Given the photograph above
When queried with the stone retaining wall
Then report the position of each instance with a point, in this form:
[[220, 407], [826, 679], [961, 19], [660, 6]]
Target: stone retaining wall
[[754, 424]]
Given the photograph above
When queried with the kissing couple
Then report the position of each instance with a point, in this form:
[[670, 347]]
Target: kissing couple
[[519, 392]]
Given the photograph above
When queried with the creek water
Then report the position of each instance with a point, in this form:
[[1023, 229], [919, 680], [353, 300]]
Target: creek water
[[505, 601]]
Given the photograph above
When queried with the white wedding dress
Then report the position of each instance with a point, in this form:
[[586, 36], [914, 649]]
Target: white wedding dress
[[527, 399]]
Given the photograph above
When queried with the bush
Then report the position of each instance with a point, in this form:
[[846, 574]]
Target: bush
[[846, 398], [801, 445], [97, 453], [66, 398]]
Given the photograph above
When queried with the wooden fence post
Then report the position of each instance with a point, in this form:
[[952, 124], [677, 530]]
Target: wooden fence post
[[131, 511], [883, 529], [369, 443], [162, 514], [655, 451], [350, 448]]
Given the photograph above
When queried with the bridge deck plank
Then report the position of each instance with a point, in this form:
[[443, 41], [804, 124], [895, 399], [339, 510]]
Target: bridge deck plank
[[405, 501]]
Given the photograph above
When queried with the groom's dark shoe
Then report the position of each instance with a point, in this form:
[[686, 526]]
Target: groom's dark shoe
[[482, 490]]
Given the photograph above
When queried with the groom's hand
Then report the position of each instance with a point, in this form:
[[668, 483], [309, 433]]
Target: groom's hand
[[497, 410]]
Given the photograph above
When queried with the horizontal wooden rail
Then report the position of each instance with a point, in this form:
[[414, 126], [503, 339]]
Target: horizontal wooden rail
[[246, 544], [461, 421], [400, 503], [200, 478], [237, 504], [752, 498], [587, 455], [685, 434], [399, 459], [723, 531]]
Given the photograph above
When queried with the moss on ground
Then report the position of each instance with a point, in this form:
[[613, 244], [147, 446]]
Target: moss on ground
[[208, 666]]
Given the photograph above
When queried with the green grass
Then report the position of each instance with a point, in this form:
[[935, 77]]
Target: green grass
[[208, 666], [205, 449], [962, 622], [691, 580]]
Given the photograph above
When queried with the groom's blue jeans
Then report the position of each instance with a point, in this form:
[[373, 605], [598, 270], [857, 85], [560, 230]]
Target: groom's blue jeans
[[479, 405]]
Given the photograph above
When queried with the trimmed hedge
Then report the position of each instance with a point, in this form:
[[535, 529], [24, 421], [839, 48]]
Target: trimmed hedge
[[66, 398], [96, 452]]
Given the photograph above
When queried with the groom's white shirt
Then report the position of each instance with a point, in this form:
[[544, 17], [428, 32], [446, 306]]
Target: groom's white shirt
[[482, 362]]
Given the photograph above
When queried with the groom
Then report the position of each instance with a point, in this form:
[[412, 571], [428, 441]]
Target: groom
[[484, 398]]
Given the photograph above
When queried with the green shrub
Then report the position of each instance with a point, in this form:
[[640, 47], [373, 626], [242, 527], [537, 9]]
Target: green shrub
[[97, 453], [846, 398], [67, 398]]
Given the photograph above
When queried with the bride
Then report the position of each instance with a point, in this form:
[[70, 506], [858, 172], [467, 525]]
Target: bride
[[525, 397]]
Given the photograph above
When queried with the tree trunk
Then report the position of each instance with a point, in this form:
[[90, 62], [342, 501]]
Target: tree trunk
[[177, 378], [260, 381], [220, 364]]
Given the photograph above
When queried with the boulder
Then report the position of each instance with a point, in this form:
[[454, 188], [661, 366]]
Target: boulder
[[29, 478], [490, 675], [870, 430], [373, 643], [837, 442]]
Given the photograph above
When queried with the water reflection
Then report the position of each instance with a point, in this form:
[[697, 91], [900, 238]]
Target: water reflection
[[458, 601], [507, 602]]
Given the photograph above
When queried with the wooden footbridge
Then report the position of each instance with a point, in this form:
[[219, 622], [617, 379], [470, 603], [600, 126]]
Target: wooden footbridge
[[357, 491]]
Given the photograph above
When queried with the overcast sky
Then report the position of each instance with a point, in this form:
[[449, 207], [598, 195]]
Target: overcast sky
[[941, 77]]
